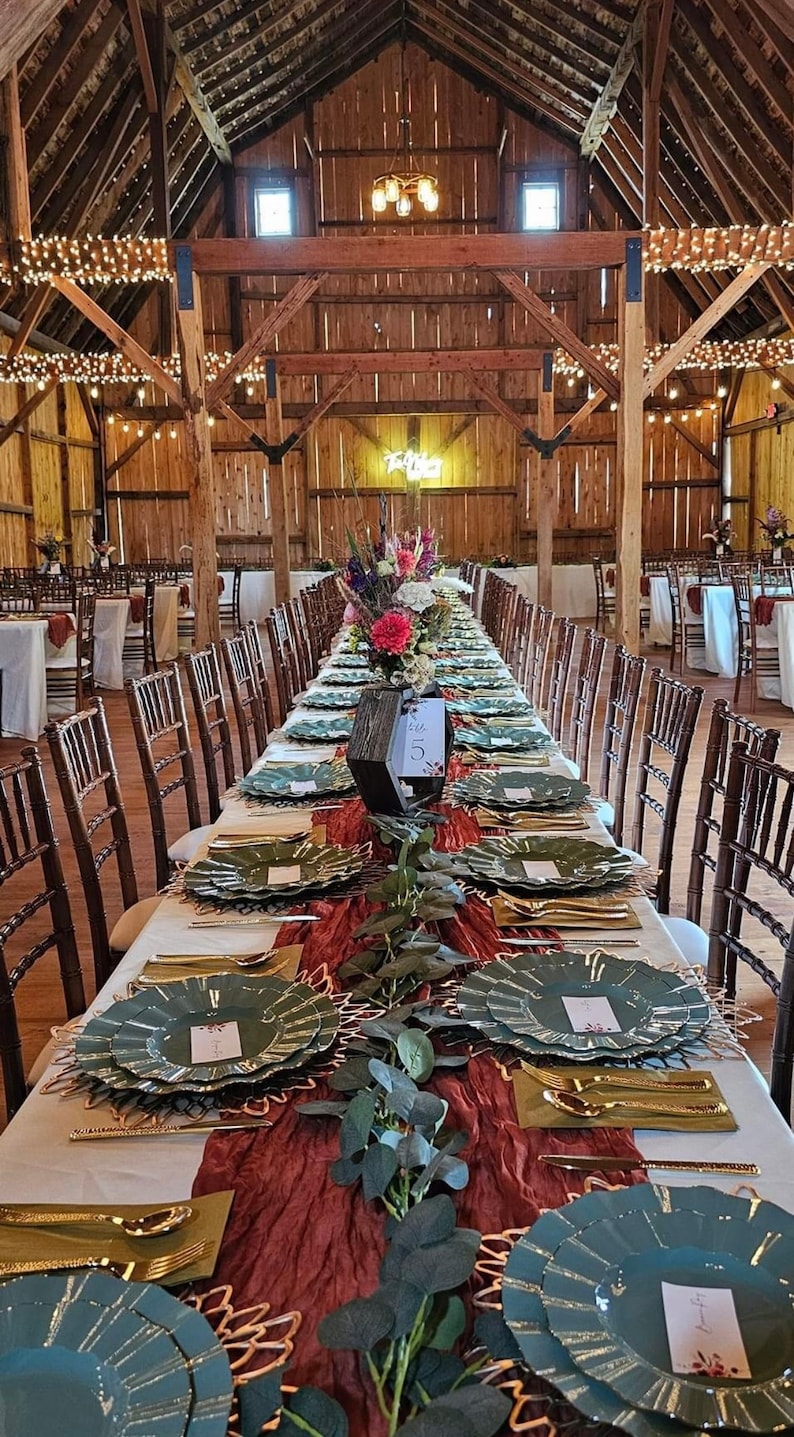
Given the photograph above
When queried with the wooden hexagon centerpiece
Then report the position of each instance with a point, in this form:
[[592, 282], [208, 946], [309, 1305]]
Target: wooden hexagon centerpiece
[[399, 748]]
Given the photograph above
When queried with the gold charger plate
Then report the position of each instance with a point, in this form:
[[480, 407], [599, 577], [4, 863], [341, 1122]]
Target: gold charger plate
[[206, 1223]]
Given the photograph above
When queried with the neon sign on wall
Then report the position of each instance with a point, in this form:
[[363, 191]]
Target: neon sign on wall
[[416, 466]]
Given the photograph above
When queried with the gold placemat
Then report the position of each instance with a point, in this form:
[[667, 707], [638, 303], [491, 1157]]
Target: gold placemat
[[505, 916], [527, 822], [244, 836], [206, 1223], [533, 1111], [503, 760], [284, 964]]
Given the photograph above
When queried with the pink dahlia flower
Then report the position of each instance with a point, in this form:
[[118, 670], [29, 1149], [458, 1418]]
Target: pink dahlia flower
[[391, 633]]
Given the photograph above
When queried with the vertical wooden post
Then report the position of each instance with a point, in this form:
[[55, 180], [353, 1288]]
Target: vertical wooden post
[[651, 113], [154, 28], [16, 158], [198, 450], [230, 230], [545, 483], [279, 514], [630, 449]]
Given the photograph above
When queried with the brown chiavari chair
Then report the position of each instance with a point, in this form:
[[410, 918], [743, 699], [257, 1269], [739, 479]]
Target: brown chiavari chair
[[300, 648], [559, 674], [583, 702], [284, 665], [57, 594], [671, 713], [18, 594], [625, 685], [754, 885], [28, 844], [71, 676], [139, 645], [490, 594], [251, 631], [761, 661], [162, 738], [312, 624], [212, 721], [523, 639], [689, 635], [247, 701], [85, 768], [229, 602], [605, 602], [538, 655]]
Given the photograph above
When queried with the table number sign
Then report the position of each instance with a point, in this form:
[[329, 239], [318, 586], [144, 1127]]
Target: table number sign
[[420, 740], [703, 1331]]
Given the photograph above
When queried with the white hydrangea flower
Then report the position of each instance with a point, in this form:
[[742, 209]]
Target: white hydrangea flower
[[415, 594], [419, 671], [384, 567]]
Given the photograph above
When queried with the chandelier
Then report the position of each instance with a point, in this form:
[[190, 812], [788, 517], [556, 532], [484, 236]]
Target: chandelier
[[403, 182]]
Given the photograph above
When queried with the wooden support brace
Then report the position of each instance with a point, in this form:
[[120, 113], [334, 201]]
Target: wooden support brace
[[558, 330], [719, 307], [683, 430], [285, 310], [629, 462], [29, 407], [117, 335], [198, 450], [318, 410], [544, 473], [582, 415]]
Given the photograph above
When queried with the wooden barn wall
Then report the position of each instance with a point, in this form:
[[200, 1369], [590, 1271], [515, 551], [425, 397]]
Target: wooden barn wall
[[761, 457], [484, 504], [47, 479]]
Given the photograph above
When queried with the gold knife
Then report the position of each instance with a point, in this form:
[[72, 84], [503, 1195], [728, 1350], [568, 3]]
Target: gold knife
[[165, 1130], [574, 1163]]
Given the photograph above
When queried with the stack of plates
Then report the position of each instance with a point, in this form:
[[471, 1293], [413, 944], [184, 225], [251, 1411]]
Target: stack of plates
[[298, 782], [516, 790], [346, 660], [320, 698], [499, 706], [472, 659], [346, 677], [331, 728], [144, 1043], [501, 738], [264, 869], [89, 1356], [487, 679], [582, 1294], [544, 863], [519, 1001]]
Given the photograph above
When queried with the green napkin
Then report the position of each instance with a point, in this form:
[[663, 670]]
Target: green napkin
[[206, 1223], [533, 1111]]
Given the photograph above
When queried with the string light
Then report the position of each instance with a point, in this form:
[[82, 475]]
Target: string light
[[158, 434], [172, 432], [775, 383]]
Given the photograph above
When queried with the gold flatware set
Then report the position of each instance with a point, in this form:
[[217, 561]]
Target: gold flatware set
[[152, 1270]]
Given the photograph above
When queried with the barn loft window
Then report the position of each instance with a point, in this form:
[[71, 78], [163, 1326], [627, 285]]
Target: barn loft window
[[540, 205], [273, 210]]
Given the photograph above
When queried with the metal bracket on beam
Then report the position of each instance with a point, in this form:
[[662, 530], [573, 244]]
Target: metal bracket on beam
[[548, 372], [633, 271], [547, 448], [183, 263]]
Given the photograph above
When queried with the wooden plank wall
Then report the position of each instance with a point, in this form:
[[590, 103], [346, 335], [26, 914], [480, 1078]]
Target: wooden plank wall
[[761, 457], [484, 505], [48, 468]]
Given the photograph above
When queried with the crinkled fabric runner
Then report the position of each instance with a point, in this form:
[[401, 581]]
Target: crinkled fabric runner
[[297, 1240]]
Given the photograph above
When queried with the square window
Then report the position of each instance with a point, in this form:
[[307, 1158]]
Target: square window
[[273, 210], [540, 205]]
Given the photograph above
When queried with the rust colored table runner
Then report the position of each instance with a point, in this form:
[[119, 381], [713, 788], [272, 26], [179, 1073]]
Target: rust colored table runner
[[299, 1241], [60, 628], [765, 606]]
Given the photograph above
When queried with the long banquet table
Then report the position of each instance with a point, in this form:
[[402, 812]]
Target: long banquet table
[[295, 1239]]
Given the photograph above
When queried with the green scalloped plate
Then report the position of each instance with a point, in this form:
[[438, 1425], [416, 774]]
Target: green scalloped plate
[[237, 875], [288, 781], [500, 706], [554, 791], [320, 698], [581, 863], [501, 738], [332, 728]]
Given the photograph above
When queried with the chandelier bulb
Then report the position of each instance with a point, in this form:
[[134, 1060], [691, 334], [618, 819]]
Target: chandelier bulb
[[403, 206], [392, 189], [379, 199]]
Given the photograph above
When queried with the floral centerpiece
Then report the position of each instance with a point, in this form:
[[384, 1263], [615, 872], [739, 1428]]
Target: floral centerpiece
[[775, 526], [721, 534], [396, 606], [502, 561], [49, 546], [101, 550]]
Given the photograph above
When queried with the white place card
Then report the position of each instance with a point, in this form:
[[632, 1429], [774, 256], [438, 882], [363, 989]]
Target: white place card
[[703, 1331], [284, 873], [215, 1042], [518, 795], [540, 868], [308, 785], [591, 1015], [419, 741]]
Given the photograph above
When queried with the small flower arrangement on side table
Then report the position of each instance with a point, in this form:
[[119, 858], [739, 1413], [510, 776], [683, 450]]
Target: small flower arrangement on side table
[[776, 528], [721, 535], [49, 546], [101, 550]]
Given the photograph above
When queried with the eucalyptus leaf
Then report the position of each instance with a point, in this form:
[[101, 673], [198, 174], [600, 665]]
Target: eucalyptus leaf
[[357, 1326], [379, 923], [391, 1078], [486, 1408], [388, 1027], [401, 1102], [433, 1373], [445, 1169], [344, 1172], [361, 962], [448, 1322], [258, 1401], [378, 1168], [428, 1111], [414, 1151], [356, 1124], [415, 1052], [352, 1075], [429, 1222], [315, 1409], [446, 1265], [493, 1333], [405, 1301], [324, 1109]]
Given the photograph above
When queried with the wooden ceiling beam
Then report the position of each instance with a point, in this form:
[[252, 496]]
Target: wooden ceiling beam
[[559, 331], [572, 39], [407, 361], [21, 26], [701, 326], [278, 319], [565, 249], [536, 65], [38, 397], [583, 413], [60, 108], [124, 342], [584, 20], [322, 406], [493, 13], [144, 58], [197, 100], [269, 38], [752, 56], [492, 396], [35, 306], [51, 68], [605, 106], [776, 20], [662, 47], [16, 163]]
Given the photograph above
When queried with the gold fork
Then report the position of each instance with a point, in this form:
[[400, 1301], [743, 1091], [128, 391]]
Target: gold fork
[[152, 1270], [565, 1084]]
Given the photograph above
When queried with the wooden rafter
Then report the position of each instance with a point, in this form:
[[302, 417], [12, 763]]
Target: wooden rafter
[[701, 326], [291, 304], [607, 102], [20, 27], [703, 451], [583, 414], [367, 253], [24, 412], [85, 64], [142, 52], [752, 56], [16, 163], [494, 398], [322, 406], [31, 314], [558, 330], [197, 100], [123, 341], [662, 46]]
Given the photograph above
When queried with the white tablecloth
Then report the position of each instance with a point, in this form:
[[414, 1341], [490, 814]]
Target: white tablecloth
[[24, 680], [39, 1164], [166, 628], [572, 587], [111, 621]]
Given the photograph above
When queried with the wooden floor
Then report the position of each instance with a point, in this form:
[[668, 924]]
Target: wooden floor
[[40, 1001]]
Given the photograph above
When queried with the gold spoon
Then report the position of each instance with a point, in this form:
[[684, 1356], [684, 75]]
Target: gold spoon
[[578, 1107], [188, 960], [145, 1224]]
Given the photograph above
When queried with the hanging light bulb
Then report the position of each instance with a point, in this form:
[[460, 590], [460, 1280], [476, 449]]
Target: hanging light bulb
[[379, 199], [673, 391], [431, 203], [403, 207], [392, 188], [125, 427], [111, 419], [668, 418], [141, 392], [172, 432], [158, 434], [249, 389], [94, 391], [424, 189], [139, 431], [651, 418], [722, 392], [211, 420], [775, 383]]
